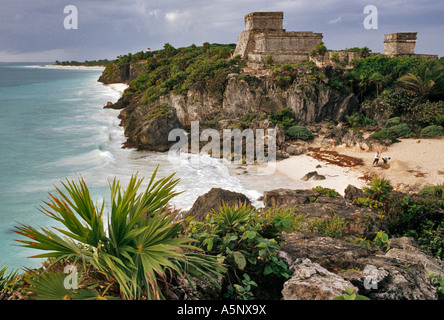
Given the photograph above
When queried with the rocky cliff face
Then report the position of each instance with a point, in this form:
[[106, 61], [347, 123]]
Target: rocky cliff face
[[309, 103], [121, 73]]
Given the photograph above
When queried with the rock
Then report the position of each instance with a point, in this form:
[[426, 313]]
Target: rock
[[148, 127], [402, 273], [360, 221], [351, 193], [212, 199], [294, 150], [310, 175], [319, 177], [287, 197], [310, 281]]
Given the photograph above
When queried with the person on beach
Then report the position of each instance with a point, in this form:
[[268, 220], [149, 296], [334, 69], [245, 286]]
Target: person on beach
[[377, 155], [385, 159]]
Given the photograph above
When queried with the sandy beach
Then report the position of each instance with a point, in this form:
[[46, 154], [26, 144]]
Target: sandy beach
[[120, 87], [53, 66], [414, 163]]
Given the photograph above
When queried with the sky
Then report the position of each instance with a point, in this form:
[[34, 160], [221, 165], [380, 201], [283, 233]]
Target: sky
[[35, 31]]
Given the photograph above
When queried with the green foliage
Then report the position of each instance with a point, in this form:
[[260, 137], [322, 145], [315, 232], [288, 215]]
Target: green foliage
[[51, 286], [7, 280], [331, 193], [378, 189], [393, 122], [432, 131], [247, 241], [284, 117], [381, 240], [93, 63], [427, 81], [299, 132], [371, 74], [269, 60], [436, 191], [383, 135], [358, 120], [332, 227], [321, 49], [437, 281], [402, 130], [431, 238], [241, 291], [350, 295], [180, 70], [139, 248]]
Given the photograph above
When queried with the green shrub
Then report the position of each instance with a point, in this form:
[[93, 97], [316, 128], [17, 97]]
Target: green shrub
[[383, 135], [378, 189], [402, 130], [431, 238], [247, 241], [432, 131], [299, 132], [437, 282], [358, 120], [140, 246], [284, 117], [350, 295], [393, 122], [332, 227], [436, 191], [331, 193]]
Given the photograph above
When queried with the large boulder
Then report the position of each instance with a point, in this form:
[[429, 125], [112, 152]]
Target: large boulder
[[310, 281], [402, 273], [212, 199], [147, 127]]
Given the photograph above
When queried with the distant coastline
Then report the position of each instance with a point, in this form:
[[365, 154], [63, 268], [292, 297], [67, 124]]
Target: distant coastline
[[54, 66]]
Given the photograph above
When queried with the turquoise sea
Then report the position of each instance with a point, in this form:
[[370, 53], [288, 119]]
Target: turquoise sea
[[53, 126]]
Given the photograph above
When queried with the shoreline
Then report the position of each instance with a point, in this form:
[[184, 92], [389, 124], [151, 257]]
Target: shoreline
[[414, 164], [50, 66], [120, 87]]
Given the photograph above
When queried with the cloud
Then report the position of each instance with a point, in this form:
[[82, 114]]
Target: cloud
[[334, 21], [108, 28]]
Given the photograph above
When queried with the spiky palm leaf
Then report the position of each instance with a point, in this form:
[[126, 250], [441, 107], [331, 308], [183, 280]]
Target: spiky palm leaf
[[143, 243]]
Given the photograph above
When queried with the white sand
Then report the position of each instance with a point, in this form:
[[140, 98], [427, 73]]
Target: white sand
[[414, 163], [53, 66], [120, 87]]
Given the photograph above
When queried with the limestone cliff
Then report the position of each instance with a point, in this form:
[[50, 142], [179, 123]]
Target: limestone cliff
[[245, 94]]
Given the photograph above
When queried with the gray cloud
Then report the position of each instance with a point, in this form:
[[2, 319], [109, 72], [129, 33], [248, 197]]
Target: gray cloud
[[33, 30]]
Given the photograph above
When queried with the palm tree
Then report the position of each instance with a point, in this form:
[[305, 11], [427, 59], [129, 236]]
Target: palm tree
[[427, 82], [140, 246]]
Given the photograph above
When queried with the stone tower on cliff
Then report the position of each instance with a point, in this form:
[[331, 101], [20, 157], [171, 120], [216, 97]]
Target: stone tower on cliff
[[264, 36]]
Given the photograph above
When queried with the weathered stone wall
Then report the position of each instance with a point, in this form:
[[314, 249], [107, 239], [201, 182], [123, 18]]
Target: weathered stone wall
[[264, 21], [264, 35], [401, 43]]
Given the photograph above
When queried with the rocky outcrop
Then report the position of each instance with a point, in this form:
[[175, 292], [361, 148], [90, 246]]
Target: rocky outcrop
[[310, 281], [147, 127], [212, 199], [402, 273], [360, 222], [310, 103], [121, 73]]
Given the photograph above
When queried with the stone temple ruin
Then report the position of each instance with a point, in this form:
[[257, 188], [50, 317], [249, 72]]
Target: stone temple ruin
[[264, 36]]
